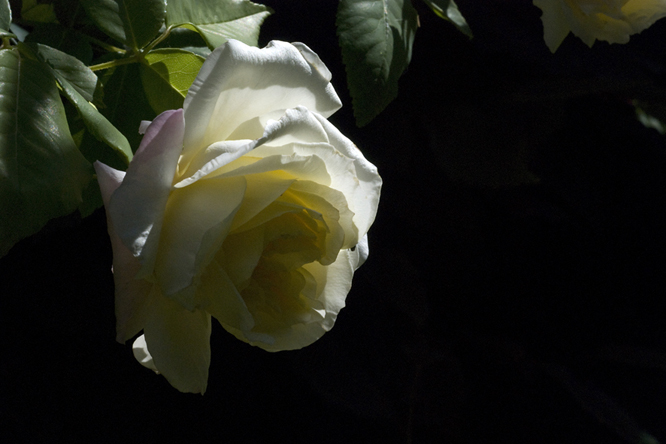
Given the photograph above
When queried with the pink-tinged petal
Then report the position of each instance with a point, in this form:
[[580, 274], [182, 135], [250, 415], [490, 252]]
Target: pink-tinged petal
[[179, 343], [196, 223], [237, 83], [109, 180], [137, 206], [131, 294]]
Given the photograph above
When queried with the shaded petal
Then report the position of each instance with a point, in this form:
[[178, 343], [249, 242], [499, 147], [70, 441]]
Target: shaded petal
[[642, 14], [197, 220], [225, 303], [179, 342], [334, 283], [131, 294], [555, 26], [137, 206], [332, 205], [238, 83], [262, 189]]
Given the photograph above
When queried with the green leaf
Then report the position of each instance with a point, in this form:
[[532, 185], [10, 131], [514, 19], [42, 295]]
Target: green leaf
[[5, 16], [78, 84], [186, 39], [42, 174], [376, 38], [219, 21], [38, 11], [64, 39], [132, 22], [125, 102], [448, 10], [167, 75], [68, 68]]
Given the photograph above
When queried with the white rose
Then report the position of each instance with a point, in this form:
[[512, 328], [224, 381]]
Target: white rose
[[610, 20], [246, 205]]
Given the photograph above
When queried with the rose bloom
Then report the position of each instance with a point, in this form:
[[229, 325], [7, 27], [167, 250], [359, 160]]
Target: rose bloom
[[610, 20], [246, 205]]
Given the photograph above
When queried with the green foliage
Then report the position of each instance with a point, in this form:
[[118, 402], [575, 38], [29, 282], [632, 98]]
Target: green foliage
[[131, 22], [167, 75], [78, 84], [376, 38], [5, 17], [38, 11], [42, 174], [144, 69], [448, 10], [126, 104], [218, 21], [63, 39]]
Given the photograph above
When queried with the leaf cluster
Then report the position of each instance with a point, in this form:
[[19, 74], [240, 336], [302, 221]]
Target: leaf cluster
[[76, 79]]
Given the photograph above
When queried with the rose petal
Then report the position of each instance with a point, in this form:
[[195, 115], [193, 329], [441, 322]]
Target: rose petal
[[350, 172], [196, 222], [141, 353], [179, 342], [335, 281], [137, 206], [262, 80], [262, 189], [362, 250], [131, 294], [555, 27], [284, 166], [364, 200]]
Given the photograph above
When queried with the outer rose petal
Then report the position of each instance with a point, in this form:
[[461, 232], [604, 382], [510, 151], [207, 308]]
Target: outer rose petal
[[364, 200], [131, 294], [141, 353], [179, 343], [137, 206], [277, 77], [612, 21]]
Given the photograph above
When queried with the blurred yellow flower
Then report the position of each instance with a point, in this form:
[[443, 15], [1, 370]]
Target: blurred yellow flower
[[609, 20]]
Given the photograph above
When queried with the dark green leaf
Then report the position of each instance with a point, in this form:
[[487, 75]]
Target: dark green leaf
[[132, 22], [218, 21], [64, 39], [106, 15], [448, 10], [68, 68], [167, 75], [38, 11], [78, 86], [376, 38], [5, 16], [42, 174], [186, 39], [125, 102]]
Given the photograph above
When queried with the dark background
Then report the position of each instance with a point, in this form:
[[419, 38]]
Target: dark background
[[514, 290]]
